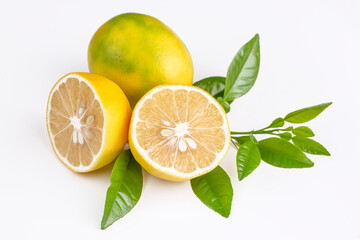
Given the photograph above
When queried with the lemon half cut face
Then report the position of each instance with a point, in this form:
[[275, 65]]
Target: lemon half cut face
[[87, 120], [179, 132]]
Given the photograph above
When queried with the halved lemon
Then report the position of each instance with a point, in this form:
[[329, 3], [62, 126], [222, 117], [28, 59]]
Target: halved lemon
[[178, 132], [87, 120]]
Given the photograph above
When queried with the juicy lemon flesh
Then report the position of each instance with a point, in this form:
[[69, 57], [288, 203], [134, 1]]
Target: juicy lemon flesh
[[76, 121], [179, 132]]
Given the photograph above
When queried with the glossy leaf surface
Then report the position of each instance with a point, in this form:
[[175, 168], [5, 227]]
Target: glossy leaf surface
[[125, 189], [310, 146], [306, 114], [213, 85], [214, 189], [243, 70], [248, 159], [281, 153]]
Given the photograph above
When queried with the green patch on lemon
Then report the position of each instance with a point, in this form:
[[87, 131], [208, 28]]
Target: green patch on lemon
[[138, 52]]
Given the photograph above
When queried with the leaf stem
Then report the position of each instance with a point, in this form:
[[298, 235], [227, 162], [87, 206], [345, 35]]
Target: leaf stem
[[261, 131]]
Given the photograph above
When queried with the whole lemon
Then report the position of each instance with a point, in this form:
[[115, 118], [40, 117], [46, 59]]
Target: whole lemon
[[139, 52]]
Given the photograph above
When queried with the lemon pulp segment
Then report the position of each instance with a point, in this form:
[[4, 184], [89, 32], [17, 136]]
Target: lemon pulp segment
[[179, 131]]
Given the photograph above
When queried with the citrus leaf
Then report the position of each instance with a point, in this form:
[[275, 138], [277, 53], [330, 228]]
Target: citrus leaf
[[306, 114], [253, 139], [247, 159], [279, 122], [213, 85], [243, 70], [287, 136], [288, 128], [303, 131], [125, 189], [280, 153], [224, 104], [214, 190], [241, 140], [310, 146]]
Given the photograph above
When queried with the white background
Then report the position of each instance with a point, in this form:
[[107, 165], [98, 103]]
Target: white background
[[309, 55]]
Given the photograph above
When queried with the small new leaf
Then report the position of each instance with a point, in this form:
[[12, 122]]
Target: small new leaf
[[310, 146], [214, 190], [224, 104], [125, 189], [279, 122], [303, 131], [287, 136], [288, 128], [247, 159], [243, 70], [306, 114], [213, 85], [281, 153], [241, 140]]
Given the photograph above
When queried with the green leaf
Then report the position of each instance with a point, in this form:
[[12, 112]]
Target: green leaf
[[279, 122], [224, 104], [287, 136], [303, 131], [280, 153], [247, 159], [213, 85], [253, 139], [241, 140], [125, 189], [243, 70], [310, 146], [288, 128], [214, 190], [306, 114]]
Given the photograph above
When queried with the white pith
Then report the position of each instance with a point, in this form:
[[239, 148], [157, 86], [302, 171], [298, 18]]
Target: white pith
[[77, 135], [177, 134]]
